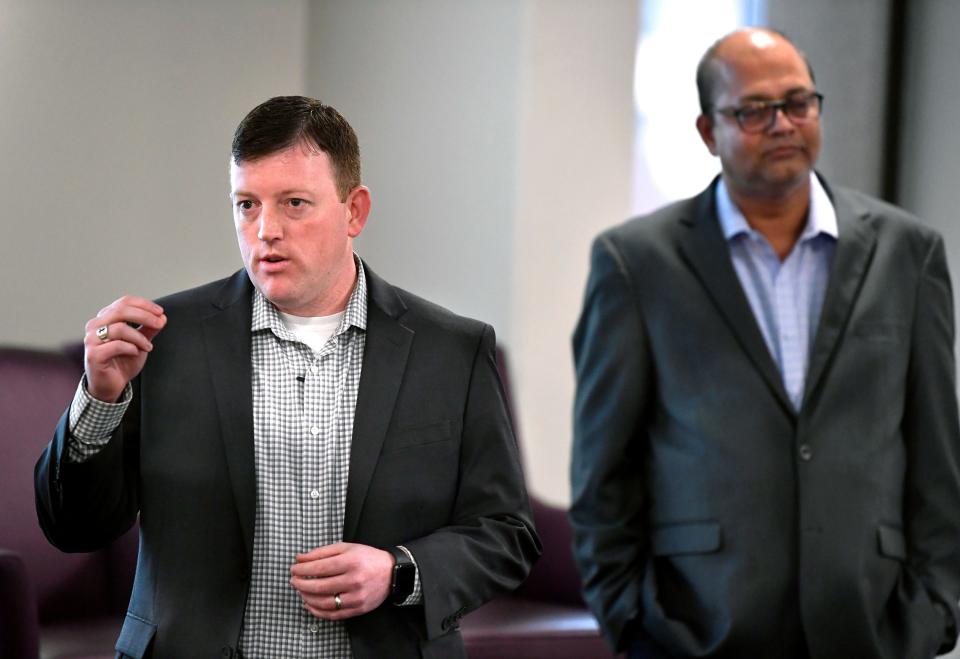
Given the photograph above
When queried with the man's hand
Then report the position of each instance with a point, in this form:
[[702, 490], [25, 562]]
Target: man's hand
[[115, 355], [358, 574]]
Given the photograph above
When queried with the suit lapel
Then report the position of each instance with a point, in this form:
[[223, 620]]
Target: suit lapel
[[706, 250], [226, 334], [854, 250], [386, 349]]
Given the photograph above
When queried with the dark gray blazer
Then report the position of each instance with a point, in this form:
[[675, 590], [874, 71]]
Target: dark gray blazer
[[710, 518], [433, 465]]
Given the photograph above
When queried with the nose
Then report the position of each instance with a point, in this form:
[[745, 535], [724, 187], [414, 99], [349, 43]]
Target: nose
[[781, 122], [270, 227]]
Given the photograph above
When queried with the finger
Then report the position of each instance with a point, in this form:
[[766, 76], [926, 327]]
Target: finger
[[326, 608], [328, 601], [324, 614], [133, 316], [134, 301], [151, 332], [98, 355], [120, 332], [323, 552], [321, 567], [326, 587]]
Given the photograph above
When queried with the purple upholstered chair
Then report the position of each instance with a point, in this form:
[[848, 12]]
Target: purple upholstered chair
[[546, 618], [52, 605]]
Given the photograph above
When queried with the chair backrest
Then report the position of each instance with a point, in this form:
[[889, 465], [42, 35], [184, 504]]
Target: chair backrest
[[35, 388], [554, 577]]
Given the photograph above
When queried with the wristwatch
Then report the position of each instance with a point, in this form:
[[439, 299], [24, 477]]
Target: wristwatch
[[404, 574]]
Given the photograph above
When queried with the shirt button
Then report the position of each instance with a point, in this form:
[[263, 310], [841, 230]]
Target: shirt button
[[314, 494], [313, 629], [805, 452], [314, 368], [315, 430]]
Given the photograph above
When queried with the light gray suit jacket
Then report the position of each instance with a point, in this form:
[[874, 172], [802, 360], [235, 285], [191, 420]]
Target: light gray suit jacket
[[710, 518]]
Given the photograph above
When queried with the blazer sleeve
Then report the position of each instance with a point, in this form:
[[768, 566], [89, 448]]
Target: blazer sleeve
[[615, 383], [85, 506], [932, 438], [490, 544]]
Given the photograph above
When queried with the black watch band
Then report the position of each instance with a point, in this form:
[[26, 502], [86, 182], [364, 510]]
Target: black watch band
[[404, 575]]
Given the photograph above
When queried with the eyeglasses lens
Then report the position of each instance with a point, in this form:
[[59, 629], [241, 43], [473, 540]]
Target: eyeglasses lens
[[799, 108], [758, 118]]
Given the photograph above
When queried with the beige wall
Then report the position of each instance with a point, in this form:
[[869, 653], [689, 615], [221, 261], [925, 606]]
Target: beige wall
[[847, 44], [497, 140], [431, 88], [930, 139], [496, 136], [115, 126], [574, 177]]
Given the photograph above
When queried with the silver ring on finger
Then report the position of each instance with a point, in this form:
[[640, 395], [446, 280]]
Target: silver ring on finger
[[103, 333], [337, 601]]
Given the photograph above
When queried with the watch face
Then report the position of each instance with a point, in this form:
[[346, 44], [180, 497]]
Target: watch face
[[403, 578]]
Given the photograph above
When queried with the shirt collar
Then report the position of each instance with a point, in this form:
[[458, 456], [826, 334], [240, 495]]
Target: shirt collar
[[821, 219], [266, 316]]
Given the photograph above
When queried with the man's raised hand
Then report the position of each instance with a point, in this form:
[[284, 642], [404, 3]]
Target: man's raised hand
[[117, 342]]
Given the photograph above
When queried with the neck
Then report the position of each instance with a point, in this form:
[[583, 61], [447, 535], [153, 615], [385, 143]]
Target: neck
[[780, 218]]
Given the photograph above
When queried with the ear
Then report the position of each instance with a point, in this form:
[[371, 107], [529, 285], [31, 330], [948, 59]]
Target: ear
[[358, 206], [705, 128]]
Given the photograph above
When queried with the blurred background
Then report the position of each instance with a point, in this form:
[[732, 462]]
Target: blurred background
[[498, 138]]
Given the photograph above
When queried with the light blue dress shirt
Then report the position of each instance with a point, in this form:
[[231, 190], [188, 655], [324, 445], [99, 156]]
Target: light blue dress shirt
[[786, 296]]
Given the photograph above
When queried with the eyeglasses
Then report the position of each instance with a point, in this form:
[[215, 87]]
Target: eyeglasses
[[759, 116]]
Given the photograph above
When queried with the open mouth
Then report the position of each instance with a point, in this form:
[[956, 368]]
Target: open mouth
[[272, 263]]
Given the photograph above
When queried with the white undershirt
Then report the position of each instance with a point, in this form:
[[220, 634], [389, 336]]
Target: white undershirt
[[312, 330]]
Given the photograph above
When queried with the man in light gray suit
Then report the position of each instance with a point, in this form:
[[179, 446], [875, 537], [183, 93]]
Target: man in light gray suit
[[766, 441]]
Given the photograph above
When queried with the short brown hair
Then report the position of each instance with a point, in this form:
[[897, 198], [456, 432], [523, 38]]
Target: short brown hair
[[284, 121]]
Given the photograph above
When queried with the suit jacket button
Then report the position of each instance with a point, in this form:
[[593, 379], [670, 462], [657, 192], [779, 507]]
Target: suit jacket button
[[806, 453]]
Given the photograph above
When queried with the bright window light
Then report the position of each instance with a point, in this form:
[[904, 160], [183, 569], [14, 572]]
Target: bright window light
[[670, 160]]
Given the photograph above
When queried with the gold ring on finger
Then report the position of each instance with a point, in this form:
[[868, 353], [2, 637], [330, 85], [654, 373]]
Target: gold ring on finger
[[337, 601], [103, 332]]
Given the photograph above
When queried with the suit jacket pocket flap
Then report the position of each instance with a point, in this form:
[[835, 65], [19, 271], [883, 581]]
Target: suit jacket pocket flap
[[135, 636], [892, 542], [880, 330], [419, 435], [691, 538]]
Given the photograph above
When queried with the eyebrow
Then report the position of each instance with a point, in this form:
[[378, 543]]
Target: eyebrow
[[763, 97], [283, 193]]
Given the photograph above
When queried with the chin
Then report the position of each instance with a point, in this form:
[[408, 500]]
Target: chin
[[789, 176], [273, 295]]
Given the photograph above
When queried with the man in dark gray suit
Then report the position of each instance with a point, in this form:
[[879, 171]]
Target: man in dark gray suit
[[322, 464], [766, 441]]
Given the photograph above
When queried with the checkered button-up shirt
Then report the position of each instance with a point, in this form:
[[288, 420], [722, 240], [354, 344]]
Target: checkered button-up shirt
[[303, 408]]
